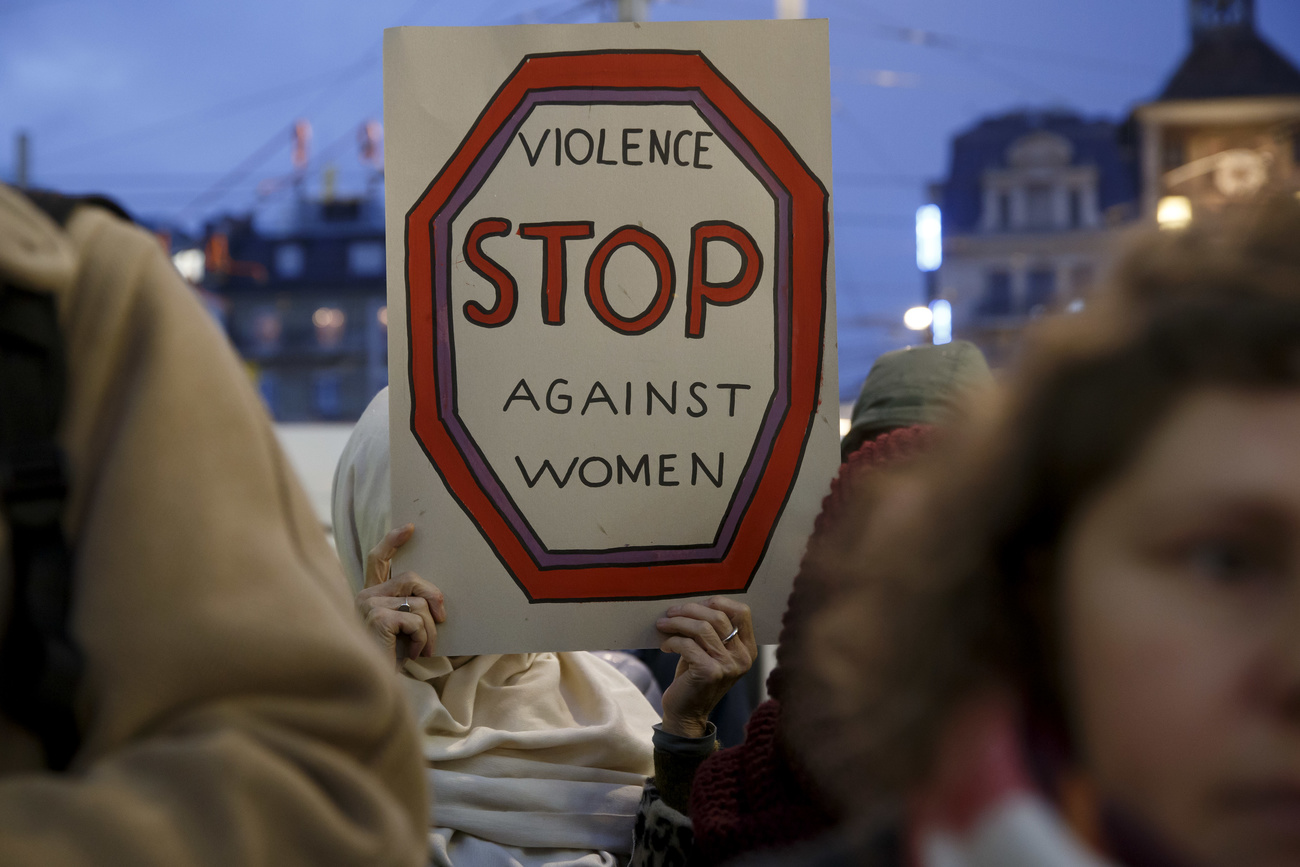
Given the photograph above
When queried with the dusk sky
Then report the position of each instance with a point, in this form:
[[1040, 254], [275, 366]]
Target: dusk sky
[[155, 102]]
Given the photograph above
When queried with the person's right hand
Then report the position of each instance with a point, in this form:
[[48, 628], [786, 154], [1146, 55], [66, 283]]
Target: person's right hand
[[383, 595]]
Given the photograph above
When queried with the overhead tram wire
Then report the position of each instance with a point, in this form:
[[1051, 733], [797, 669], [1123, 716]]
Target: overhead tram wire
[[281, 138], [963, 53], [225, 108], [318, 160], [867, 137], [887, 29]]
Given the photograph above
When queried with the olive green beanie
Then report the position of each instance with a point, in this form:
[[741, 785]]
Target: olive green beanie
[[916, 385]]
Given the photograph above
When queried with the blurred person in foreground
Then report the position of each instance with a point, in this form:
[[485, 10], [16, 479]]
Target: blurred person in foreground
[[1074, 637], [758, 795], [535, 759], [230, 711]]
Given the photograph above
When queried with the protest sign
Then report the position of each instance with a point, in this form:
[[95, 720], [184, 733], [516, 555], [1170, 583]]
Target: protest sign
[[611, 316]]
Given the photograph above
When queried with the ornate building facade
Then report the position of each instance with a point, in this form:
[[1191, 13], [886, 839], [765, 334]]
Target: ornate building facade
[[1035, 202]]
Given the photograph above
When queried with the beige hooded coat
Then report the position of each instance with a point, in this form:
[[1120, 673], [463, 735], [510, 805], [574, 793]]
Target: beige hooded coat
[[233, 711]]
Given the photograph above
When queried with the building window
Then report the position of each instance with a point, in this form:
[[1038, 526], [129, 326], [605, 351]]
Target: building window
[[327, 394], [997, 294], [366, 258], [289, 261], [1040, 291], [1004, 210], [1039, 201], [1076, 209], [330, 323]]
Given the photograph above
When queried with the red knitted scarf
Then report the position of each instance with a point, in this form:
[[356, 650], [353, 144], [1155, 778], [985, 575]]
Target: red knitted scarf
[[755, 796]]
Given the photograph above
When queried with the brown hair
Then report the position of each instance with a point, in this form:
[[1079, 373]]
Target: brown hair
[[949, 588]]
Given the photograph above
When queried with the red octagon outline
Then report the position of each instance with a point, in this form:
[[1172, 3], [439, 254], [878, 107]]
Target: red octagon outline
[[809, 250]]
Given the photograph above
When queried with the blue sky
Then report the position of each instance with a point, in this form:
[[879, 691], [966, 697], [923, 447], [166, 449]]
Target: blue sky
[[155, 101]]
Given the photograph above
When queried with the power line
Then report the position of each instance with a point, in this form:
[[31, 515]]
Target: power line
[[966, 50], [875, 179], [279, 139], [241, 104], [216, 111], [874, 221], [921, 37], [866, 136]]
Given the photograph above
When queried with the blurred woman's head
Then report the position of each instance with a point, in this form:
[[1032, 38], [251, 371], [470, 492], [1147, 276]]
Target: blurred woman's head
[[1120, 549]]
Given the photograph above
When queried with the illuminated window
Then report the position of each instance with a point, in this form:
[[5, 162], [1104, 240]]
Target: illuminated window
[[329, 323]]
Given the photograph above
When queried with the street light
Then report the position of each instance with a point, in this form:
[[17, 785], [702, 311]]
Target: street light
[[918, 318], [1174, 212], [190, 263], [929, 238], [941, 321]]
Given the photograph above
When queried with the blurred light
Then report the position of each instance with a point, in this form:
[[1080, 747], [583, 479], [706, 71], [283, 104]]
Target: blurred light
[[190, 263], [329, 326], [382, 316], [328, 317], [929, 238], [791, 8], [941, 321], [846, 425], [1174, 212], [1074, 306], [918, 318]]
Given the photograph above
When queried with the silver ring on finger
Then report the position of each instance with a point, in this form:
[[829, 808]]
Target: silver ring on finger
[[731, 635], [405, 606]]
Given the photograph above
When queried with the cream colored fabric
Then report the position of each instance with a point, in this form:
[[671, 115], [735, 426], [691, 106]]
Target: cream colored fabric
[[234, 712], [535, 759]]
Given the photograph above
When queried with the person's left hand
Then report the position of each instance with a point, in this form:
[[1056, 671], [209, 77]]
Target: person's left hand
[[709, 665]]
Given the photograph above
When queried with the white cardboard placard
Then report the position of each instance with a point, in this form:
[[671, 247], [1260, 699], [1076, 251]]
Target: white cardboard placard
[[611, 321]]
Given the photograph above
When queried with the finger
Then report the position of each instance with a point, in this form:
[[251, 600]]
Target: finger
[[388, 623], [413, 626], [700, 631], [420, 607], [412, 586], [741, 617], [721, 624], [697, 658], [380, 557]]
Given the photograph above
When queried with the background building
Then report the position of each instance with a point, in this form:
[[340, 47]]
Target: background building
[[304, 304], [1226, 125], [1034, 202], [1030, 208]]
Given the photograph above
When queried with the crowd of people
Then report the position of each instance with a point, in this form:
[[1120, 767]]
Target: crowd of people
[[1047, 617]]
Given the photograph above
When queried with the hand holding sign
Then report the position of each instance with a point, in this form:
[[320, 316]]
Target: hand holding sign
[[716, 643], [381, 601]]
